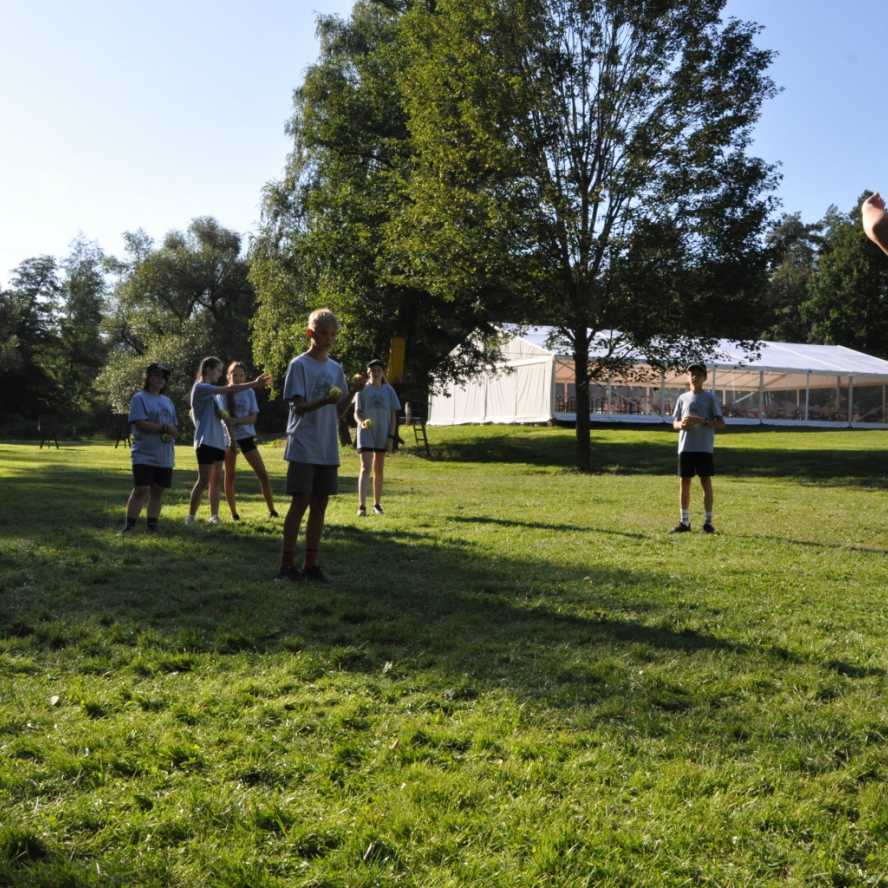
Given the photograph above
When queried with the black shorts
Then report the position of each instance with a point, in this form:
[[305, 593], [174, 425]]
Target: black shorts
[[207, 455], [151, 476], [373, 450], [247, 445], [695, 462], [310, 480]]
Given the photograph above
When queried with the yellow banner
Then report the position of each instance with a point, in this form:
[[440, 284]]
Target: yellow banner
[[395, 371]]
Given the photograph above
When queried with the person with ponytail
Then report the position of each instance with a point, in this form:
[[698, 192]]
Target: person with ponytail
[[243, 408], [376, 412], [211, 435]]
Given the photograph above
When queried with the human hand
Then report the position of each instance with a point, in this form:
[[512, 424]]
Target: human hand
[[875, 220], [262, 381], [367, 424]]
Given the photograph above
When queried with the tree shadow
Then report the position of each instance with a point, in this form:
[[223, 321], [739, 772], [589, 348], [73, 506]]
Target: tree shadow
[[544, 525], [428, 603], [864, 467]]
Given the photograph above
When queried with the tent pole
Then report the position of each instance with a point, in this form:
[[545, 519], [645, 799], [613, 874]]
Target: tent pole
[[761, 396], [807, 392], [663, 393], [850, 400]]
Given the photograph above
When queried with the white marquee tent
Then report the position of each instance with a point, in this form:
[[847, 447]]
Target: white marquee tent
[[787, 384]]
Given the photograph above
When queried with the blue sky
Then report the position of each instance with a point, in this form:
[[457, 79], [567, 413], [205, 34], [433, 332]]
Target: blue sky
[[119, 115]]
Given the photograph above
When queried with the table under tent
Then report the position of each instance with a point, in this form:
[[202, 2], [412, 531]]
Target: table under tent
[[785, 384]]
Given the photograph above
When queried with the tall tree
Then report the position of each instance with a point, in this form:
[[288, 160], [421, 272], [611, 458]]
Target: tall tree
[[331, 225], [176, 302], [795, 246], [29, 328], [594, 152], [81, 348]]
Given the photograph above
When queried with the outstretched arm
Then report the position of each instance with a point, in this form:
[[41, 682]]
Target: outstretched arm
[[875, 221]]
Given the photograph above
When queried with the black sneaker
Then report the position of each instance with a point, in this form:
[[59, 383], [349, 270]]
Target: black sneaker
[[290, 575], [708, 528], [362, 511], [681, 527], [273, 514], [151, 528], [377, 510], [235, 516], [316, 575], [127, 528]]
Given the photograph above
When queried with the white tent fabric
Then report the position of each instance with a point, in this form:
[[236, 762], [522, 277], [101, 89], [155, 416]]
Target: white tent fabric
[[783, 384]]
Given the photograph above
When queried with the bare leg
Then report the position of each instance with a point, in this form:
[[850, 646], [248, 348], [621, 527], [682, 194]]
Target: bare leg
[[378, 471], [706, 483], [685, 497], [316, 513], [155, 502], [364, 477], [298, 505], [215, 473], [230, 468], [203, 480], [136, 501], [254, 458]]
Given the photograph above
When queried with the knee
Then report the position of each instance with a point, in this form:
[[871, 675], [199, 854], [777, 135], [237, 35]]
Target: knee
[[141, 491]]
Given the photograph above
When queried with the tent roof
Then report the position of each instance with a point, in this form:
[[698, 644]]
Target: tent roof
[[785, 356]]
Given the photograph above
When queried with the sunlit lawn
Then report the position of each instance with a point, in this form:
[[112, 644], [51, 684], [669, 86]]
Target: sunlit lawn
[[518, 678]]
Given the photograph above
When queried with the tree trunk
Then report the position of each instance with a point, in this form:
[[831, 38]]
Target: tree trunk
[[581, 374]]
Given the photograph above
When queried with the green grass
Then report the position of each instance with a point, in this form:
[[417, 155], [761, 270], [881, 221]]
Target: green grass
[[519, 677]]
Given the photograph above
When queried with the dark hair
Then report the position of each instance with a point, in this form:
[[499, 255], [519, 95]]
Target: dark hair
[[160, 391], [698, 368], [207, 364], [160, 369], [229, 398]]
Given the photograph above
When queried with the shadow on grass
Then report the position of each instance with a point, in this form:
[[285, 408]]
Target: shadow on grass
[[543, 525], [433, 606], [863, 467]]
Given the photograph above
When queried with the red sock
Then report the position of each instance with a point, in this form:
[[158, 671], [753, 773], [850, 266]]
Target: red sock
[[311, 557]]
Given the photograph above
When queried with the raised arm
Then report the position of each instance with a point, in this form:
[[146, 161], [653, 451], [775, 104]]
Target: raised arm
[[875, 221]]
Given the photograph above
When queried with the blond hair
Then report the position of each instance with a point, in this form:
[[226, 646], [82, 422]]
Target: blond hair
[[322, 317]]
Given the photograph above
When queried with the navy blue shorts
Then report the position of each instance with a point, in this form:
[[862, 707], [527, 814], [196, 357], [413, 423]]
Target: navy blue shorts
[[152, 476], [207, 455], [695, 462]]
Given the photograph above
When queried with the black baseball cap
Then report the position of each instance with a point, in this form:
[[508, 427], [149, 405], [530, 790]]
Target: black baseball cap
[[161, 369], [375, 362]]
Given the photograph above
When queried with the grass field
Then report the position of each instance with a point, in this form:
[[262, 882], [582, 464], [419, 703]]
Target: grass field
[[519, 677]]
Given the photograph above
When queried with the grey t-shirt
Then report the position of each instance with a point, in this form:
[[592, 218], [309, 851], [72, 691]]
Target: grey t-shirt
[[699, 439], [313, 437], [245, 404], [377, 405], [147, 447], [209, 429]]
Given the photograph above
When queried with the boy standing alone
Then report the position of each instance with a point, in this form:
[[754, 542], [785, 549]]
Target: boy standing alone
[[314, 386], [697, 416]]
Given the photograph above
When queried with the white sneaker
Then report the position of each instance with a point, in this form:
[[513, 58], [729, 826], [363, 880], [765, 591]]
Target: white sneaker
[[189, 519], [213, 519]]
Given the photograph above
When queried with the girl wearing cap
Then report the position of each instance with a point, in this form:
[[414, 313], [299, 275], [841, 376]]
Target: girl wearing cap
[[243, 409], [152, 418], [211, 436], [376, 412]]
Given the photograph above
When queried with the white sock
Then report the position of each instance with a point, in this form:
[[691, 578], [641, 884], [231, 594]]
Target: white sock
[[685, 516], [708, 518]]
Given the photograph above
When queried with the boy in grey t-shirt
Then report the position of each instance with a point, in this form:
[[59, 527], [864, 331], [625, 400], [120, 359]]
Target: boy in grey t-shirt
[[314, 386], [697, 416]]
